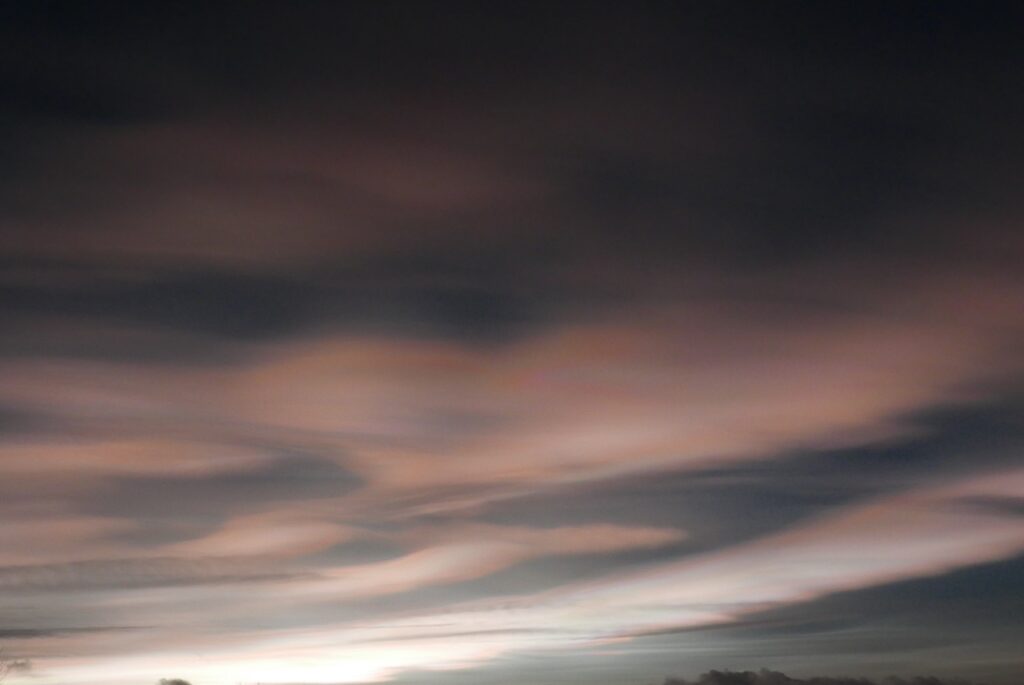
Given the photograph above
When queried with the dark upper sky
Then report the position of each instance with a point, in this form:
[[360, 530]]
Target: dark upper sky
[[536, 342]]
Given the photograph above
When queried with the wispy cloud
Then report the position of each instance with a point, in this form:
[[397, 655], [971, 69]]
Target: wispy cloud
[[346, 343]]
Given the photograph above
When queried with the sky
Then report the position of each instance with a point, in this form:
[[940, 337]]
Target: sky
[[546, 343]]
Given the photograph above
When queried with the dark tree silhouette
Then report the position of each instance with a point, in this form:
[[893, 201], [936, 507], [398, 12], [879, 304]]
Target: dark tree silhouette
[[766, 677]]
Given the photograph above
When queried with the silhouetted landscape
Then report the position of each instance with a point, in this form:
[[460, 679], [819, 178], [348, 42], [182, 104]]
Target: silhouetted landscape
[[765, 677]]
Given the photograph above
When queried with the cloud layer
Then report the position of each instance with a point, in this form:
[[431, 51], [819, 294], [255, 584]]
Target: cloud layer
[[348, 344]]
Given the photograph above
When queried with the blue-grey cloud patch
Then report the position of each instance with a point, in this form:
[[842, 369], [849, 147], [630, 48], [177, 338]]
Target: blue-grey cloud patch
[[109, 574], [1008, 506], [19, 422], [228, 304], [968, 614], [720, 507], [487, 299], [290, 476], [35, 633]]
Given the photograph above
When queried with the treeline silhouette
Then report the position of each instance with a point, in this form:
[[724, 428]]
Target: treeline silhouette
[[765, 677]]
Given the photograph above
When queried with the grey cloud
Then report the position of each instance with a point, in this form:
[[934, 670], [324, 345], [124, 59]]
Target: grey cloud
[[714, 504], [35, 633], [18, 421], [483, 297], [135, 573], [939, 624], [291, 476], [1010, 506], [780, 199]]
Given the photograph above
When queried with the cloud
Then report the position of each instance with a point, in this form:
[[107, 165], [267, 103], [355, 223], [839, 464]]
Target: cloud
[[129, 457], [421, 437], [276, 533], [895, 538], [33, 633], [448, 554], [59, 538], [109, 574], [560, 540], [627, 393], [14, 666], [363, 305]]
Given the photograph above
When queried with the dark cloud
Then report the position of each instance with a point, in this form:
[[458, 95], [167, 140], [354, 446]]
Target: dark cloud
[[781, 199], [1011, 506], [485, 297], [29, 633], [814, 149], [17, 421], [233, 305]]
